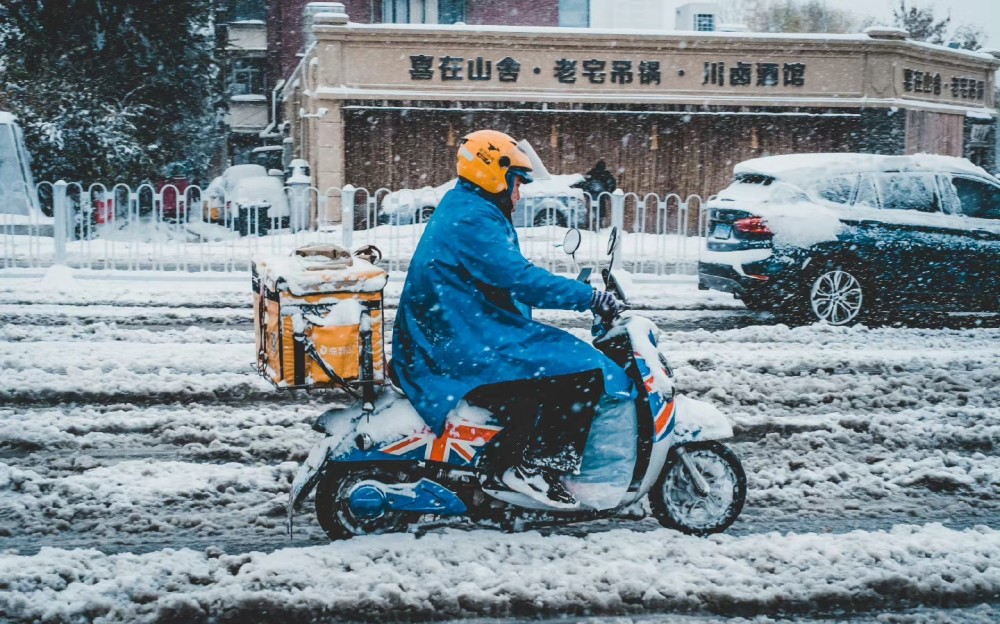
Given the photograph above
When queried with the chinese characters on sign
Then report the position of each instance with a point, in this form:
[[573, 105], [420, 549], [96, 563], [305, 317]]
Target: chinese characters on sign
[[451, 68], [566, 71], [768, 74], [599, 71], [915, 81]]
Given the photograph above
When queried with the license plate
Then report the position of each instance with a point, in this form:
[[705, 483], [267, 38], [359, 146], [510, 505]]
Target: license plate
[[722, 230]]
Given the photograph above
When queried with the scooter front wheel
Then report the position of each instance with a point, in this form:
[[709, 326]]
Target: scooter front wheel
[[333, 504], [703, 503]]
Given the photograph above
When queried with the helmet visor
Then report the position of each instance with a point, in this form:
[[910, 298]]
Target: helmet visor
[[519, 172]]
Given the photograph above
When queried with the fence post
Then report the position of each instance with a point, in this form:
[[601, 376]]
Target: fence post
[[60, 210], [347, 215], [299, 219], [618, 210]]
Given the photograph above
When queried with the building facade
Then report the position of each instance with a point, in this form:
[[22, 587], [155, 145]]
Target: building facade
[[383, 105], [287, 41]]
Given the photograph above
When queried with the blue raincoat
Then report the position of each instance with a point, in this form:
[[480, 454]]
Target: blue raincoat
[[464, 319]]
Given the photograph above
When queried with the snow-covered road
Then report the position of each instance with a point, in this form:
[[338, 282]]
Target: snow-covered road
[[144, 468]]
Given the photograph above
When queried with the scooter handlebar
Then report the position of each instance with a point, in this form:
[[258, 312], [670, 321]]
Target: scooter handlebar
[[603, 322]]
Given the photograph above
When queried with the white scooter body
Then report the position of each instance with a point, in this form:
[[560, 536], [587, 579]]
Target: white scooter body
[[395, 432]]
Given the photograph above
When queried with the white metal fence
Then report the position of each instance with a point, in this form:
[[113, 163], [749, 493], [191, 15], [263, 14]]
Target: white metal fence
[[194, 229]]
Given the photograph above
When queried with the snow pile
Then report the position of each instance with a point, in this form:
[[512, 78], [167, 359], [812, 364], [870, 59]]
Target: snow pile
[[803, 168], [445, 575], [800, 225], [306, 275]]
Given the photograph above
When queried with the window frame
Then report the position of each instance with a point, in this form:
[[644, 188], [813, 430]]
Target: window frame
[[937, 207], [245, 71], [702, 18], [851, 193], [868, 177], [411, 11]]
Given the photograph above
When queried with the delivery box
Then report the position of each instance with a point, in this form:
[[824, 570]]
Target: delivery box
[[318, 319]]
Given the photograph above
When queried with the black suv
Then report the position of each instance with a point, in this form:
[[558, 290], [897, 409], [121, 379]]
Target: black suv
[[844, 238]]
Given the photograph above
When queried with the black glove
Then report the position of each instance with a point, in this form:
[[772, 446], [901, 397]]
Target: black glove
[[604, 304]]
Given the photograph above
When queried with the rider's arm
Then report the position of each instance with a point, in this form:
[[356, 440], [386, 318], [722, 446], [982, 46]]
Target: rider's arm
[[489, 253]]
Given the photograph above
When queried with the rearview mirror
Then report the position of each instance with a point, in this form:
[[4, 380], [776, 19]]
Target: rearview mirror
[[571, 242]]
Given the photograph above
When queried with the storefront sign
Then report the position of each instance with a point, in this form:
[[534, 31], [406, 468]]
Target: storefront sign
[[603, 71], [742, 74], [961, 87], [565, 71]]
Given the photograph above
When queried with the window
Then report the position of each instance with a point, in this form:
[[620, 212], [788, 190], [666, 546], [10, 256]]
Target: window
[[908, 191], [977, 199], [704, 22], [395, 11], [413, 11], [574, 13], [241, 10], [451, 11], [837, 190], [247, 77], [754, 178]]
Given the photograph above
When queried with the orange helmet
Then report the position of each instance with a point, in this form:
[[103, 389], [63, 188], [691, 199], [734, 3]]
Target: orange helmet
[[491, 159]]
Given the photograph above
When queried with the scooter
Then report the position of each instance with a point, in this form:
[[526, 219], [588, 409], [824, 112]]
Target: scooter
[[379, 468]]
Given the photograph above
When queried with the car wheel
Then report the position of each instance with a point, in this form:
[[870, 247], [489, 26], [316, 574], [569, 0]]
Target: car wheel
[[839, 295], [424, 214]]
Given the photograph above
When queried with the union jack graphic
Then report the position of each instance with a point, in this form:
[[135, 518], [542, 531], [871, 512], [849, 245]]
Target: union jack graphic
[[663, 411], [458, 444], [663, 420]]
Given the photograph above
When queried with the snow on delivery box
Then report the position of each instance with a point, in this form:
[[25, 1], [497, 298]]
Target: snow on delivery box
[[318, 319]]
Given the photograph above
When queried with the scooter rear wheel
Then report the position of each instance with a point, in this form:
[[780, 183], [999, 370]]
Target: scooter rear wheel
[[676, 502], [333, 508]]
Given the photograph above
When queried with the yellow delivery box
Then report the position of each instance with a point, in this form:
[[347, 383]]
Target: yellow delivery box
[[318, 319]]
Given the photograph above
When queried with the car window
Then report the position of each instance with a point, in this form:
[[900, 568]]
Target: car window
[[837, 190], [908, 191], [867, 195], [976, 198], [949, 199]]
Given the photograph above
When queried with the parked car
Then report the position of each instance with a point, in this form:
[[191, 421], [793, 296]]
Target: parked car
[[845, 238], [247, 198], [548, 200]]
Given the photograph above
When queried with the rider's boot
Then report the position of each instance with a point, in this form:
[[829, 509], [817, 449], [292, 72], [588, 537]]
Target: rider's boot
[[540, 484]]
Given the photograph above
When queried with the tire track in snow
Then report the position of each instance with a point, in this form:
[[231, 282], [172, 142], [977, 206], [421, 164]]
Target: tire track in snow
[[909, 461]]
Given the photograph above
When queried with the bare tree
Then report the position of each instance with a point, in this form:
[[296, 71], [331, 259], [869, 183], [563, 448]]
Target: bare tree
[[920, 22], [790, 16], [969, 37]]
